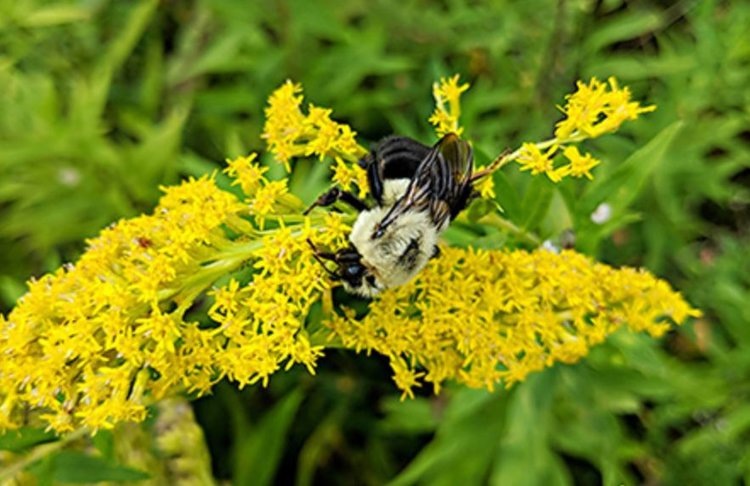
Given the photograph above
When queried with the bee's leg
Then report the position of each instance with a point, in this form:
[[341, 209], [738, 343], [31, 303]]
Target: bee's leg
[[335, 194], [435, 252]]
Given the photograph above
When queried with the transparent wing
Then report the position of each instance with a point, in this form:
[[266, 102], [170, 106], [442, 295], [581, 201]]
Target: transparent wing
[[441, 183]]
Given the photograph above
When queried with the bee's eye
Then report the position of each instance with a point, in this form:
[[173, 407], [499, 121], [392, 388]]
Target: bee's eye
[[354, 270]]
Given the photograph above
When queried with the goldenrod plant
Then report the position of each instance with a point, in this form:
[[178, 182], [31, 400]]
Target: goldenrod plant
[[103, 103], [95, 343]]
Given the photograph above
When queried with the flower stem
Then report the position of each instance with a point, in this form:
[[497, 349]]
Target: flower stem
[[497, 221]]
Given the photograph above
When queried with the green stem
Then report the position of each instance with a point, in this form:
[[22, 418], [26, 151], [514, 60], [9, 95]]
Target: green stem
[[39, 453], [497, 221]]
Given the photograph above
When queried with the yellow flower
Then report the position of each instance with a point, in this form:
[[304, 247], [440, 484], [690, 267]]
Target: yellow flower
[[531, 158], [595, 109], [447, 91], [485, 318], [347, 175], [96, 342], [246, 173], [580, 165], [289, 133], [405, 377], [486, 187], [285, 123], [267, 198]]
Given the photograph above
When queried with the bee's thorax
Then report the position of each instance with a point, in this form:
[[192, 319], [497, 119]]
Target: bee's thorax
[[403, 248]]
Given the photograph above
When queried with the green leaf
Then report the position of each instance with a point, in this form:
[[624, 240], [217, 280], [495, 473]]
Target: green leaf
[[10, 289], [319, 445], [479, 208], [536, 201], [409, 417], [524, 447], [507, 196], [258, 454], [464, 446], [104, 441], [623, 27], [55, 15], [77, 467], [23, 438], [624, 184], [620, 188]]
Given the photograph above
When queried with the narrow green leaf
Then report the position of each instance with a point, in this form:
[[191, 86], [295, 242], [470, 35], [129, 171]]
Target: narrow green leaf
[[409, 417], [463, 448], [536, 201], [77, 467], [623, 27], [624, 184], [620, 188], [524, 447], [118, 51], [55, 15], [507, 196], [258, 455], [23, 438]]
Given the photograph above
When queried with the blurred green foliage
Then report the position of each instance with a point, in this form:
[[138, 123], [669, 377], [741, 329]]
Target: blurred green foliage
[[104, 101]]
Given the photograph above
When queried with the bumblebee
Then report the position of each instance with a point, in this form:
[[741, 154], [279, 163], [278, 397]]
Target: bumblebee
[[418, 191]]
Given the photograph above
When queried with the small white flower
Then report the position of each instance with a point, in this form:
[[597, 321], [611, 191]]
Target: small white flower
[[602, 213], [69, 176], [549, 246]]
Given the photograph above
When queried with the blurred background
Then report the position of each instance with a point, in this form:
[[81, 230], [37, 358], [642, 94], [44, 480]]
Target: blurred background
[[102, 102]]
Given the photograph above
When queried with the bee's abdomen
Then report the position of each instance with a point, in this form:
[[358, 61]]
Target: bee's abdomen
[[408, 258], [399, 157]]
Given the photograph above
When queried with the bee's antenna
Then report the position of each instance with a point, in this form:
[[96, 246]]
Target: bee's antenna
[[492, 166], [321, 257]]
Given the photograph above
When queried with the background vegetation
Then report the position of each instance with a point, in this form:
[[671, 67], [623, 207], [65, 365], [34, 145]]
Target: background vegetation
[[104, 101]]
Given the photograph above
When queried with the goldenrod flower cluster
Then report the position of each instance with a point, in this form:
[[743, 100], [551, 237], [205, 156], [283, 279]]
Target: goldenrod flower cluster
[[445, 118], [97, 341], [289, 133], [487, 317], [596, 109], [592, 111]]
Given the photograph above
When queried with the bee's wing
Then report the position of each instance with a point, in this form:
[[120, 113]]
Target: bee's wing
[[394, 157], [441, 183]]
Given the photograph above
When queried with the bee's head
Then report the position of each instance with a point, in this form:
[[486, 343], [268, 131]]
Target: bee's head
[[353, 274]]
